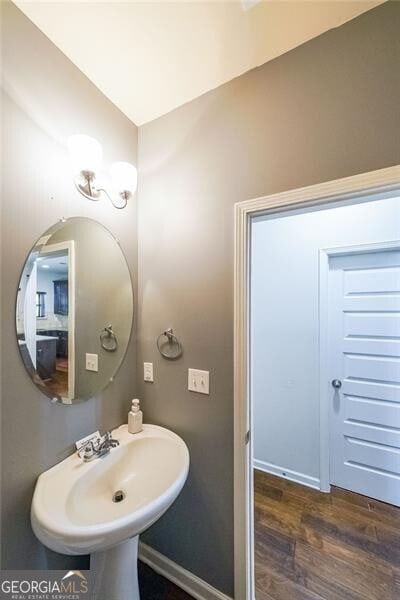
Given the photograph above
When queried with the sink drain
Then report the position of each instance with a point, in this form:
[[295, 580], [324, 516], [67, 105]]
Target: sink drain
[[118, 496]]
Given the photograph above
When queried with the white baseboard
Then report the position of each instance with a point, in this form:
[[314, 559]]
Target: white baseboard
[[312, 482], [184, 579]]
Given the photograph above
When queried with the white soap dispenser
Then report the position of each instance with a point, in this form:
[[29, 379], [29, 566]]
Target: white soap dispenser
[[135, 417]]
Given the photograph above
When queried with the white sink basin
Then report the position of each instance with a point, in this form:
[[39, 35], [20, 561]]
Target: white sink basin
[[74, 509]]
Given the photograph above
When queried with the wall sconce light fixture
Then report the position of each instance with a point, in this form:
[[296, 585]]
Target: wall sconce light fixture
[[86, 157]]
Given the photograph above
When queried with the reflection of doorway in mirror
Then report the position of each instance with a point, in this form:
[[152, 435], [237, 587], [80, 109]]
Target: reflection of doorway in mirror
[[29, 311], [55, 319]]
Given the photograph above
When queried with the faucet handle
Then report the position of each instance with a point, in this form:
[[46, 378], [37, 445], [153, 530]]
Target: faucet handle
[[86, 452], [89, 451], [110, 440]]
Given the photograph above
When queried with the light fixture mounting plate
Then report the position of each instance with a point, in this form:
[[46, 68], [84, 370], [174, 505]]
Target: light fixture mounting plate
[[86, 186]]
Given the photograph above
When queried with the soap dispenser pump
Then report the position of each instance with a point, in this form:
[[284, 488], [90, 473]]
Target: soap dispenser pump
[[135, 417]]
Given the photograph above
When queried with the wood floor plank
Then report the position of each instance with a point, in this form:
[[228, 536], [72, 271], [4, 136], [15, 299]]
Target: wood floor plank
[[343, 549], [311, 545], [264, 487], [350, 497], [275, 540], [273, 586], [334, 578], [396, 576], [388, 535], [299, 491], [382, 508], [374, 514], [295, 507], [357, 544], [347, 523], [364, 501], [273, 549], [261, 593], [285, 521]]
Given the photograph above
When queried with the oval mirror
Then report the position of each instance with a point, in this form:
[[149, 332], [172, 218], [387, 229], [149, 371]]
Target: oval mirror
[[74, 310]]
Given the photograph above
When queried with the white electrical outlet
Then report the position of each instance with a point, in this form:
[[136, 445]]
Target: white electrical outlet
[[148, 371], [92, 362], [199, 381]]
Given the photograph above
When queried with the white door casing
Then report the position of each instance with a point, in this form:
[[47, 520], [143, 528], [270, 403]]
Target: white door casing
[[375, 183], [30, 314], [364, 355], [68, 247]]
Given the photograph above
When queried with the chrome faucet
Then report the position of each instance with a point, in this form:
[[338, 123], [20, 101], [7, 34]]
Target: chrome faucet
[[98, 447]]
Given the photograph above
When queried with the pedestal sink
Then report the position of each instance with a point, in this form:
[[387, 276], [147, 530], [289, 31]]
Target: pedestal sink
[[101, 507]]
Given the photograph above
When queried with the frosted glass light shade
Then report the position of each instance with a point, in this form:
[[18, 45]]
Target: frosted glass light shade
[[86, 153], [124, 176]]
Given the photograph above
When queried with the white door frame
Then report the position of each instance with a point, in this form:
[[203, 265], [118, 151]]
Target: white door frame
[[70, 247], [380, 184], [324, 392]]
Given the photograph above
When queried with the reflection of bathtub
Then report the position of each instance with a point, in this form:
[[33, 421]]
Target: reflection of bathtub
[[46, 354]]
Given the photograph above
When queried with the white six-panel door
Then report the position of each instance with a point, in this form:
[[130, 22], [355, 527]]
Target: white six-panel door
[[364, 359]]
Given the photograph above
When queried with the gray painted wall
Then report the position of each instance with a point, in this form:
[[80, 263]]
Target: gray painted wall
[[285, 323], [328, 109], [46, 99]]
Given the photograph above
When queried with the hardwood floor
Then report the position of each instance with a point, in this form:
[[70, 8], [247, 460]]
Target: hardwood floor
[[58, 383], [155, 587], [312, 546]]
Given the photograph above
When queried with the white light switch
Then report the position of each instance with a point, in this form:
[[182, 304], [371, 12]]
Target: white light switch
[[199, 381], [92, 362], [148, 371]]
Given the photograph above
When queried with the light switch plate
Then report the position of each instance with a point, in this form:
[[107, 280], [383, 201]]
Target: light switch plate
[[148, 374], [199, 381], [92, 362]]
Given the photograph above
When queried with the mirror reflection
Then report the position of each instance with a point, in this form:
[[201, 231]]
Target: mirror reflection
[[74, 310]]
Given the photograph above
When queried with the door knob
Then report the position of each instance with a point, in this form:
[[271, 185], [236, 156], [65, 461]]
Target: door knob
[[337, 384]]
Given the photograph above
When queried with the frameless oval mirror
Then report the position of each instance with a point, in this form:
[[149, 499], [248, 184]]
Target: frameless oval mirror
[[74, 310]]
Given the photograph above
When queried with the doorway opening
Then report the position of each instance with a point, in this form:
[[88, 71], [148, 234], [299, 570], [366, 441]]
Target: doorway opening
[[317, 391], [53, 325]]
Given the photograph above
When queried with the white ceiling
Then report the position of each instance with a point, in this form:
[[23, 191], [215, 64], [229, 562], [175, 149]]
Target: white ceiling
[[55, 266], [151, 57]]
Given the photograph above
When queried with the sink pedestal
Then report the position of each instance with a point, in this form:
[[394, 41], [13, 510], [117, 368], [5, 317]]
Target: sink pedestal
[[114, 572]]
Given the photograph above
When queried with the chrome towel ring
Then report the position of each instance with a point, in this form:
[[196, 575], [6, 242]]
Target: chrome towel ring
[[168, 345], [108, 339]]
